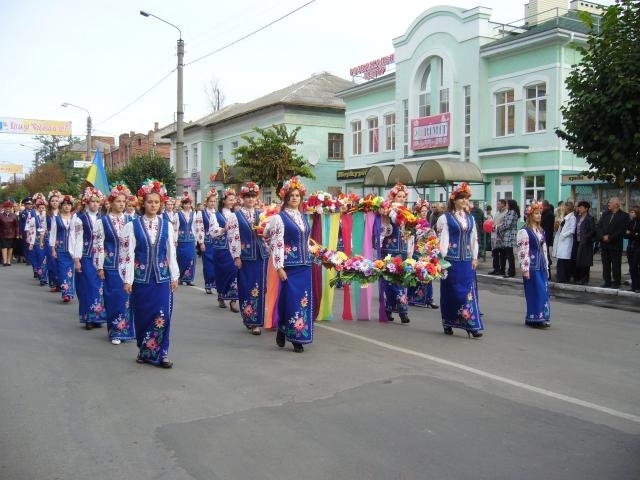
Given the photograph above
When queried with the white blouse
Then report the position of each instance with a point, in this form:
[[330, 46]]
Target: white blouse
[[522, 240], [77, 231], [173, 219], [54, 233], [274, 235], [118, 223], [197, 227], [215, 230], [32, 232], [233, 229], [442, 228]]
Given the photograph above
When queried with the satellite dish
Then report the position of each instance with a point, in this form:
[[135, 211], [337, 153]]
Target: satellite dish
[[313, 158]]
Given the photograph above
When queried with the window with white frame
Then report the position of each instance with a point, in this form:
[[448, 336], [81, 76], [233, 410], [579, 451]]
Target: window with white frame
[[234, 145], [505, 113], [196, 160], [533, 189], [424, 97], [390, 131], [220, 153], [405, 128], [186, 159], [467, 123], [444, 100], [536, 107], [373, 135], [356, 137]]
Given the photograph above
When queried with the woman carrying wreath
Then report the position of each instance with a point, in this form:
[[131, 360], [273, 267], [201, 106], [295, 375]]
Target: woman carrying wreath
[[422, 294]]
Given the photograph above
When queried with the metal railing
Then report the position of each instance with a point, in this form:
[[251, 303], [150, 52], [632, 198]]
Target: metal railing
[[557, 15]]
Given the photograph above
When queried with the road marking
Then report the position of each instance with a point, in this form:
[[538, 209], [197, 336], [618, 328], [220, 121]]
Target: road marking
[[482, 373]]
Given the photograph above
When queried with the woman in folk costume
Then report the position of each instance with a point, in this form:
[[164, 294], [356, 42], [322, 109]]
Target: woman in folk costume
[[459, 246], [62, 243], [288, 235], [53, 197], [36, 236], [421, 295], [189, 232], [89, 285], [250, 256], [394, 243], [131, 211], [170, 214], [151, 275], [209, 226], [34, 258], [532, 254], [112, 254], [226, 271]]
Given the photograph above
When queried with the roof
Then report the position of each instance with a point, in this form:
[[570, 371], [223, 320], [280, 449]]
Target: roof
[[365, 87], [81, 146]]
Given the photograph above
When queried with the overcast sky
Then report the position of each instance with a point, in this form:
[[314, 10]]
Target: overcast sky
[[102, 55]]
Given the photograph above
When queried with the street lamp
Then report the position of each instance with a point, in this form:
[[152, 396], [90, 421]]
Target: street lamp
[[180, 108], [67, 104]]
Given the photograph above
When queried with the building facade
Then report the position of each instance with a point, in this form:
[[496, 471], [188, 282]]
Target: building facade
[[133, 144]]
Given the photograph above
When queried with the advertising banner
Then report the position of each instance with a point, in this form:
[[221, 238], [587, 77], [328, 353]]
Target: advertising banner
[[10, 168], [431, 132], [34, 127], [81, 164]]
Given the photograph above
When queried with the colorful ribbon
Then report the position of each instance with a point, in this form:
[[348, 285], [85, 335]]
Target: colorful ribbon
[[332, 226]]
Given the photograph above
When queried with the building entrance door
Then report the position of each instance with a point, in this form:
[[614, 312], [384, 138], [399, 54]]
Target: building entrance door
[[502, 189]]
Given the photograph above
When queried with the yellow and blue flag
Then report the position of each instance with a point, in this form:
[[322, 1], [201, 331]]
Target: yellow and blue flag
[[97, 176]]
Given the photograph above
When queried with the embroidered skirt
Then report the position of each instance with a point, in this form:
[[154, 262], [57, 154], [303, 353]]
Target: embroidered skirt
[[151, 306], [66, 275], [90, 294], [226, 275], [395, 298], [536, 292], [252, 281], [209, 266], [39, 259], [116, 303], [421, 295], [52, 268], [295, 305], [186, 255], [458, 298]]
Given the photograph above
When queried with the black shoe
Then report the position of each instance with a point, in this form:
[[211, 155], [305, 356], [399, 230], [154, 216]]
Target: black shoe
[[165, 363], [433, 305], [389, 315], [88, 326], [605, 285], [448, 330], [280, 338], [190, 284], [615, 285], [97, 325], [404, 318], [474, 334], [208, 291], [233, 306], [221, 304], [298, 348], [493, 272]]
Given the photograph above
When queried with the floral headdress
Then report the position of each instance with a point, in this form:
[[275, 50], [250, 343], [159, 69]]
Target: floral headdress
[[40, 201], [151, 185], [53, 193], [91, 192], [67, 199], [462, 190], [211, 193], [228, 191], [186, 198], [132, 199], [38, 197], [118, 188], [292, 184], [250, 189], [420, 204], [535, 206], [400, 187]]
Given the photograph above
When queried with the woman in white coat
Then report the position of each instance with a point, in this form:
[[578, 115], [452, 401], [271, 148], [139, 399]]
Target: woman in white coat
[[563, 244]]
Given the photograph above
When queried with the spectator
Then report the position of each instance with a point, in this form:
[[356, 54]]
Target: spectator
[[437, 211], [9, 232], [559, 214], [610, 232], [563, 246], [497, 250], [508, 230], [478, 216], [585, 235], [547, 224], [633, 234]]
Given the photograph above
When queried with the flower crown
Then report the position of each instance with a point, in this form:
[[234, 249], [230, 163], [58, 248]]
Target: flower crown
[[250, 188], [67, 199], [211, 193], [228, 191], [91, 192], [37, 197], [118, 188], [151, 185], [40, 201], [535, 206], [399, 187], [53, 193], [186, 198], [420, 204], [132, 198], [292, 184], [462, 190]]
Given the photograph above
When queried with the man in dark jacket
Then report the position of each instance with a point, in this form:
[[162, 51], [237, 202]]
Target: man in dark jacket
[[478, 216], [547, 223], [610, 231]]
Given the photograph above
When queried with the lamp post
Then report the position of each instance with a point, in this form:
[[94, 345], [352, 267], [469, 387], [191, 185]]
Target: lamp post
[[180, 106], [36, 160], [67, 104]]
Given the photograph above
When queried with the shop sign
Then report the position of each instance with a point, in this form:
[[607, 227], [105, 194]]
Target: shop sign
[[34, 127], [431, 132], [352, 174], [195, 180], [577, 179], [373, 69], [11, 168], [81, 164]]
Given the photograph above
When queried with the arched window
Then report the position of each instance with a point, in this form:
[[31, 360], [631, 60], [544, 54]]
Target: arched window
[[424, 97]]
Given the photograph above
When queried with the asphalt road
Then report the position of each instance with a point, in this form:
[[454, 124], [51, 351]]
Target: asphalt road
[[365, 401]]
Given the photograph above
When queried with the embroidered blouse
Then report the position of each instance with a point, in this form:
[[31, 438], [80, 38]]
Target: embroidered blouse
[[32, 231], [118, 223], [274, 235], [77, 232], [215, 230], [442, 227], [233, 229], [68, 224], [197, 227], [173, 219], [523, 248]]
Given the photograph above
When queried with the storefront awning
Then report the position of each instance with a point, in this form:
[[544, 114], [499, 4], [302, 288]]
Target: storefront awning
[[440, 172], [403, 173], [377, 176]]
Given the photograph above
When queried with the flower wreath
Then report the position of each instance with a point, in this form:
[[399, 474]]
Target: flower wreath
[[399, 187], [186, 198], [91, 192], [53, 193], [249, 188], [462, 190], [227, 192], [292, 184], [117, 189], [211, 193], [419, 206], [67, 199], [535, 206], [151, 185]]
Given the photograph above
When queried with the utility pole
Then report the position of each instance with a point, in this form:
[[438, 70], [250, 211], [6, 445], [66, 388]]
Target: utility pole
[[180, 120], [88, 159]]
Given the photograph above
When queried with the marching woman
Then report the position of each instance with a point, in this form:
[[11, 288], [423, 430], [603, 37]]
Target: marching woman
[[421, 295], [170, 214], [36, 233], [226, 271], [112, 252], [459, 246], [288, 235], [189, 232], [89, 284], [250, 256], [53, 197], [62, 243], [532, 254], [210, 224], [394, 243], [131, 211], [151, 275]]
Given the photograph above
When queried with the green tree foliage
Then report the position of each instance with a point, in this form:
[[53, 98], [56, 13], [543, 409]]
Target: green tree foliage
[[142, 167], [602, 116], [270, 158]]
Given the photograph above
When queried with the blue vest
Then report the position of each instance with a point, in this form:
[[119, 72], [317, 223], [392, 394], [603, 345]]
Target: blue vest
[[459, 240], [62, 235], [87, 234], [148, 257], [536, 254], [111, 244], [296, 242], [206, 222], [394, 244], [50, 218], [23, 219], [130, 216], [251, 247], [221, 243], [185, 229]]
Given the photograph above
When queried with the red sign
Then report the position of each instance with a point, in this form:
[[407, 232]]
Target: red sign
[[431, 132], [373, 69]]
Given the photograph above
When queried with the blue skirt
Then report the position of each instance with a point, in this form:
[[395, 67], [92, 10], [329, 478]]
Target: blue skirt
[[39, 259], [395, 298], [295, 305], [252, 281], [209, 266], [90, 300], [226, 275], [421, 295], [116, 303], [458, 298], [66, 275], [186, 255], [52, 269], [536, 292], [151, 305]]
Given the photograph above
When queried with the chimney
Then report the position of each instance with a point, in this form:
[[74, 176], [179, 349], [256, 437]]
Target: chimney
[[132, 133], [539, 11], [155, 126]]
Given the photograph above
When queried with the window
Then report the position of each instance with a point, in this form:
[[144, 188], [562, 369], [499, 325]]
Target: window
[[336, 143], [195, 158], [405, 127], [536, 98], [186, 159], [444, 100], [390, 131], [234, 145], [467, 123], [533, 188], [374, 138], [356, 137], [505, 113], [139, 142], [424, 99], [220, 152]]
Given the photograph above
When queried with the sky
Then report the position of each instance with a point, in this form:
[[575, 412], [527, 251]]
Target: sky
[[103, 55]]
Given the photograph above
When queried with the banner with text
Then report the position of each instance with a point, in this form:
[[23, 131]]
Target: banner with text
[[431, 132], [11, 168], [34, 127]]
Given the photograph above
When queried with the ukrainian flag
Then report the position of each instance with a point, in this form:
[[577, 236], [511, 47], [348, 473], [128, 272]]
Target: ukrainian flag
[[97, 176]]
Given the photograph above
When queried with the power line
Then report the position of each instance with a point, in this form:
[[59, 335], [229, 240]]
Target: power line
[[250, 34]]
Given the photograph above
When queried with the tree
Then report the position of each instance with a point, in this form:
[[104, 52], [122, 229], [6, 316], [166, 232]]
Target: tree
[[215, 97], [142, 167], [270, 158], [602, 117]]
